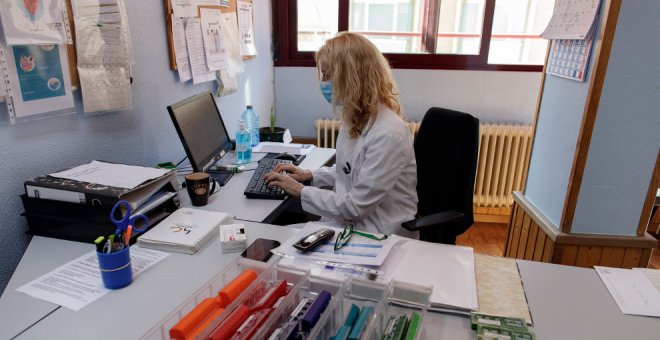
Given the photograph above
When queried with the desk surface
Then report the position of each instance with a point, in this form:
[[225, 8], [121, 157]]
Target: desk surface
[[230, 198], [565, 302]]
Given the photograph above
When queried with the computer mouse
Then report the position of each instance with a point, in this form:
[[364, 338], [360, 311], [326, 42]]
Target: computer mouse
[[286, 156]]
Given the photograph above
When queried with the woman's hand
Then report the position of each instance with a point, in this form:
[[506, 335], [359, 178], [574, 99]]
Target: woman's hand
[[290, 185], [294, 172]]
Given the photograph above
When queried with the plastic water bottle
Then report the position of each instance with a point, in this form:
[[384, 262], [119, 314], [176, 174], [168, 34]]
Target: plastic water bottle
[[243, 147], [251, 120]]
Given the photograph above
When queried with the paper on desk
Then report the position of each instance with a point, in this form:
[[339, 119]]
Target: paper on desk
[[631, 290], [111, 174], [275, 147], [78, 283], [652, 274], [359, 251], [449, 269]]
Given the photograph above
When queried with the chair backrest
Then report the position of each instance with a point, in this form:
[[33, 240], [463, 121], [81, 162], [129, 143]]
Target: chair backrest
[[446, 149]]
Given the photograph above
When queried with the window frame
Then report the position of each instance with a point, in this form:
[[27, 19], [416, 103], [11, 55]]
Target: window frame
[[285, 43]]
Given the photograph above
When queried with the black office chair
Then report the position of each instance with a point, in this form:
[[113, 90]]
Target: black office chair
[[446, 149]]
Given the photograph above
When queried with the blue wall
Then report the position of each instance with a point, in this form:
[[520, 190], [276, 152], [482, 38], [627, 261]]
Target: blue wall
[[142, 136]]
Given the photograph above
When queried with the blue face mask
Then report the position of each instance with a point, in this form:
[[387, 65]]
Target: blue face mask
[[326, 89]]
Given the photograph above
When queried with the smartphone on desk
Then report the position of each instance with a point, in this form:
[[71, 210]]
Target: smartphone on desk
[[260, 249]]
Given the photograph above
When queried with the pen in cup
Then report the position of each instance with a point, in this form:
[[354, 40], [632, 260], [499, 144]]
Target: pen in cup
[[99, 242]]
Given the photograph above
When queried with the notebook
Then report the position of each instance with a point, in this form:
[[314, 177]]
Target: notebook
[[184, 231]]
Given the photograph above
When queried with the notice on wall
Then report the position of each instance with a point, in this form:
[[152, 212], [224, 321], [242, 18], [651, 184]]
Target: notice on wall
[[29, 22], [196, 53], [246, 29], [572, 19], [180, 49], [214, 47], [104, 54], [37, 79], [184, 8], [569, 58]]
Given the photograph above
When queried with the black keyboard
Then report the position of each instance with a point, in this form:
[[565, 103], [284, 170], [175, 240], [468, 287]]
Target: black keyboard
[[257, 187]]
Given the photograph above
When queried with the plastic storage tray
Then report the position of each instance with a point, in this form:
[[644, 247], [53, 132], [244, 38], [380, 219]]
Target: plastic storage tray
[[161, 330]]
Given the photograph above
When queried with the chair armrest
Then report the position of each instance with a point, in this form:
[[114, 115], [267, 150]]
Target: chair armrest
[[432, 220]]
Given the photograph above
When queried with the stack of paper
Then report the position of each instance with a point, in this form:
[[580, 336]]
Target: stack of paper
[[185, 231]]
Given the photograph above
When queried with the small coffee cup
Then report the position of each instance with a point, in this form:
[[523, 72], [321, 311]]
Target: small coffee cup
[[200, 186]]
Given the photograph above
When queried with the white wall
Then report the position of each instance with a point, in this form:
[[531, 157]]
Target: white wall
[[490, 96], [142, 136], [626, 137]]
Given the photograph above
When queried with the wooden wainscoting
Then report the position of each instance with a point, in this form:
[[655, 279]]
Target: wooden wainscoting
[[532, 236]]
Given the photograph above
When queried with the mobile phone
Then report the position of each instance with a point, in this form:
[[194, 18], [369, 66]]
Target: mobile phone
[[260, 249], [314, 239]]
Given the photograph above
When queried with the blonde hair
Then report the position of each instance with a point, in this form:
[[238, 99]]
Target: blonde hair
[[361, 79]]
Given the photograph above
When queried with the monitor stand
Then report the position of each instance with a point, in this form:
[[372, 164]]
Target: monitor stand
[[222, 177]]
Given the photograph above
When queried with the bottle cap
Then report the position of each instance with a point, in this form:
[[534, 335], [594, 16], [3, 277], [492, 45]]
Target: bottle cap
[[249, 106]]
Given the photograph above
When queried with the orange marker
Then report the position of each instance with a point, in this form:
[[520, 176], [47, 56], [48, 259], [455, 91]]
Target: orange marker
[[231, 291], [129, 230], [206, 324], [229, 327], [196, 316]]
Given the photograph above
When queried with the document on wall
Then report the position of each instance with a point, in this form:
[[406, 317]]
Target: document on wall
[[78, 283], [214, 47], [246, 29], [111, 174], [180, 49], [195, 44], [184, 8], [37, 79], [572, 19], [223, 3], [104, 54], [632, 291], [30, 22], [569, 58]]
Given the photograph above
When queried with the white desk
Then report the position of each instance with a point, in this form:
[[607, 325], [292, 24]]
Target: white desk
[[565, 302], [230, 198]]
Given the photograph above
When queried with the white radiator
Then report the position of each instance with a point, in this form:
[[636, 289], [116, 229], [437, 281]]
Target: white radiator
[[504, 151]]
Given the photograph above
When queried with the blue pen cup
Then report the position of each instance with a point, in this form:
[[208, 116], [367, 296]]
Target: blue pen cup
[[116, 270]]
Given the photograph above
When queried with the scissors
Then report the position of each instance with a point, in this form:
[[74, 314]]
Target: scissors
[[139, 222]]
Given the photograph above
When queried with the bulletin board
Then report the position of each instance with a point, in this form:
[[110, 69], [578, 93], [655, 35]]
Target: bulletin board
[[168, 22]]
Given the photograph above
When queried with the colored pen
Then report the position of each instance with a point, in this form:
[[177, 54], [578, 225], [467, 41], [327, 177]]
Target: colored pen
[[128, 234], [99, 243]]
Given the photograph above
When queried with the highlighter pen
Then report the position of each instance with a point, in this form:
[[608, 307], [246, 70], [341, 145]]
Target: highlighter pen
[[360, 323], [196, 316], [413, 327], [233, 322], [234, 288], [314, 312], [99, 243], [201, 328]]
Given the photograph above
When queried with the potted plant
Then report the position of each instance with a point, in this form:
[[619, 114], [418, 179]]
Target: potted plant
[[271, 133]]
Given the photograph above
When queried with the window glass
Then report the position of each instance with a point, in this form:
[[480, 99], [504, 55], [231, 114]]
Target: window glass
[[516, 28], [460, 26], [317, 21], [393, 25]]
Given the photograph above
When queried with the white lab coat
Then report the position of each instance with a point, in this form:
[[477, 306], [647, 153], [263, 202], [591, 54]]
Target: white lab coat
[[380, 191]]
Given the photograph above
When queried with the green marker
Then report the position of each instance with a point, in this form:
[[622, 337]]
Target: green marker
[[99, 243]]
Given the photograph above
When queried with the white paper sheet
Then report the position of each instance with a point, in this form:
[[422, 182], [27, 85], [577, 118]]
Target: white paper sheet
[[104, 54], [196, 54], [180, 49], [184, 8], [214, 46], [631, 290], [246, 29], [111, 174], [359, 251], [229, 32], [31, 22], [39, 79], [571, 19], [223, 3], [449, 269], [652, 274], [78, 283], [275, 147]]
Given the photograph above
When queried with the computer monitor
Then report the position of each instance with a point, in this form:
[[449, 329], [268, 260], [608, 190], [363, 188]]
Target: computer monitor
[[202, 132]]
